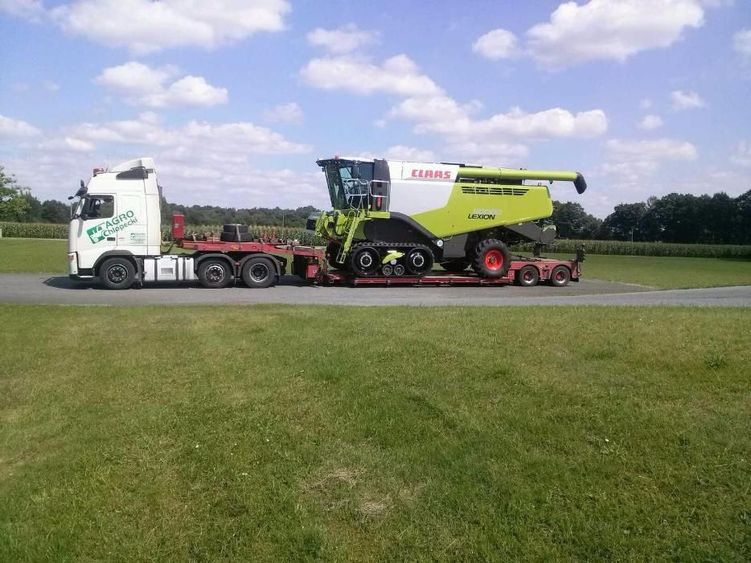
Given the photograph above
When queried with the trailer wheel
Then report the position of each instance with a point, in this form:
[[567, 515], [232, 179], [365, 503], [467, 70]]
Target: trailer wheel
[[491, 259], [259, 272], [455, 266], [214, 273], [117, 273], [560, 276], [528, 276]]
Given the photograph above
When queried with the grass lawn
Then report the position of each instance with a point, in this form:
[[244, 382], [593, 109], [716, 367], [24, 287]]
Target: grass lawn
[[666, 272], [35, 256], [288, 433]]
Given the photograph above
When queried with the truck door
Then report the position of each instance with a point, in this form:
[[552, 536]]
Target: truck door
[[95, 235], [132, 237]]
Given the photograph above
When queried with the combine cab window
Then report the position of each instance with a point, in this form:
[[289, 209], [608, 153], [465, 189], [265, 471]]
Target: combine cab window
[[348, 183]]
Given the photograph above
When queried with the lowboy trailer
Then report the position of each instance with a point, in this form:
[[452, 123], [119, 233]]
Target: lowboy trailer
[[115, 237]]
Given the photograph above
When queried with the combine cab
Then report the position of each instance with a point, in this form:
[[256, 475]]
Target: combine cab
[[395, 218]]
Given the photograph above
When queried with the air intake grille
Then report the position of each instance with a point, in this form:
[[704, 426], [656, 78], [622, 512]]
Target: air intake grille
[[493, 190]]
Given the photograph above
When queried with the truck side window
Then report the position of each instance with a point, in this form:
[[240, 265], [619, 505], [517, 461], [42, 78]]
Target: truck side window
[[100, 207]]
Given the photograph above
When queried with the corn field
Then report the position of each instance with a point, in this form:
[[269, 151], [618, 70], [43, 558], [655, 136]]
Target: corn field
[[646, 248], [34, 230]]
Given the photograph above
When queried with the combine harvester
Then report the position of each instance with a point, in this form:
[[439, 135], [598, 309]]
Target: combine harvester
[[391, 222]]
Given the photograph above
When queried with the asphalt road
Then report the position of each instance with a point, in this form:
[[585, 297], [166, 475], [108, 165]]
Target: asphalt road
[[55, 289]]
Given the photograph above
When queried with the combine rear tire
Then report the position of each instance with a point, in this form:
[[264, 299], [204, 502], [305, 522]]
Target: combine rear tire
[[455, 266], [492, 259], [528, 276], [364, 260], [259, 271], [560, 276], [419, 261]]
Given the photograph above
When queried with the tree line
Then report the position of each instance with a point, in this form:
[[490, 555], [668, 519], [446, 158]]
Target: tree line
[[682, 218]]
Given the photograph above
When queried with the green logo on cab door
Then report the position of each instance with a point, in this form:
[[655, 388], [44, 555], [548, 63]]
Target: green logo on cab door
[[108, 228]]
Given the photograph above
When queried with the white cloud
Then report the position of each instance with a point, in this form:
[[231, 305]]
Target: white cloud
[[658, 149], [441, 114], [142, 85], [342, 40], [285, 113], [742, 42], [742, 154], [496, 44], [630, 163], [610, 29], [650, 122], [685, 100], [10, 127], [228, 138], [69, 144], [487, 153], [50, 86], [401, 152], [397, 75], [144, 26], [31, 10]]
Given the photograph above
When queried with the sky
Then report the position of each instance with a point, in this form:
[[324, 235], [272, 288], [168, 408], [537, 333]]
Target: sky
[[235, 100]]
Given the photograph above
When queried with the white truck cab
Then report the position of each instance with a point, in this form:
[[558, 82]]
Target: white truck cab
[[117, 214]]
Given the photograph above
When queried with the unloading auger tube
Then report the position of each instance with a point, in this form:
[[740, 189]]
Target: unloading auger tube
[[400, 217]]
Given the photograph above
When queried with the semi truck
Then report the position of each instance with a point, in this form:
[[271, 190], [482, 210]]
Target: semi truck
[[115, 237]]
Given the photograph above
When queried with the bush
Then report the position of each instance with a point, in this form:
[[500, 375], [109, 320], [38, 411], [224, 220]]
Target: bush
[[648, 248], [34, 230]]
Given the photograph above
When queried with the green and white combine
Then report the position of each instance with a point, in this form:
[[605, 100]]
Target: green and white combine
[[393, 218]]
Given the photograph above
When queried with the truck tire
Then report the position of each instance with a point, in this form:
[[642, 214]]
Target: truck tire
[[214, 273], [117, 273], [235, 237], [455, 266], [528, 276], [259, 271], [491, 258], [234, 228], [560, 276]]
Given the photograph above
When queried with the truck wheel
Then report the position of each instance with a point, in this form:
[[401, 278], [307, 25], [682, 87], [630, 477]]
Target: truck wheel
[[560, 276], [365, 261], [259, 271], [455, 266], [528, 276], [492, 259], [419, 261], [214, 273], [117, 273]]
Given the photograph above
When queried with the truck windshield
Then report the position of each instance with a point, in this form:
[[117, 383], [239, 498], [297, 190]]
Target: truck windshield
[[348, 182]]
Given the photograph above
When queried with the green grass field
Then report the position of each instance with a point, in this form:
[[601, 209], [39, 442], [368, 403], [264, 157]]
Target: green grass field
[[33, 256], [291, 433], [667, 272]]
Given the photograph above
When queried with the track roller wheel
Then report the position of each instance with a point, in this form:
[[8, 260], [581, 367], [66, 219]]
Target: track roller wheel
[[364, 260], [399, 270], [419, 261], [491, 259], [528, 276]]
